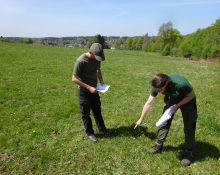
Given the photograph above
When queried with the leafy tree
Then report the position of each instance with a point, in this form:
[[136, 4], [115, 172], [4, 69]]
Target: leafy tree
[[90, 42], [166, 50], [146, 42], [5, 40], [100, 39], [164, 29], [96, 39], [152, 45], [134, 43], [119, 43], [139, 43], [204, 43], [26, 40], [168, 34], [128, 43], [186, 48]]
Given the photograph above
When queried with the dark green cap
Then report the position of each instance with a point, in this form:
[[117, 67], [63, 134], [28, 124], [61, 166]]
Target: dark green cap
[[97, 50]]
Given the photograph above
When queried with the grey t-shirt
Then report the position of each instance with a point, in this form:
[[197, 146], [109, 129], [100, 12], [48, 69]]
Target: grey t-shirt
[[86, 70]]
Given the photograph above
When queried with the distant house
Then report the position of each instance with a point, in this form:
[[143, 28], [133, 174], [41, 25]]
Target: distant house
[[69, 45]]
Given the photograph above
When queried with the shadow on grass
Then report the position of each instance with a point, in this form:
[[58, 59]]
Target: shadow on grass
[[129, 131], [202, 151]]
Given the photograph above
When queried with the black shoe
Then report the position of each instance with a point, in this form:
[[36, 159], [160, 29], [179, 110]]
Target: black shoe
[[155, 149], [92, 137], [187, 158]]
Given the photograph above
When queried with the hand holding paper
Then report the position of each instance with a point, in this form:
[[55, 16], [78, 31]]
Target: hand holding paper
[[102, 87], [165, 117]]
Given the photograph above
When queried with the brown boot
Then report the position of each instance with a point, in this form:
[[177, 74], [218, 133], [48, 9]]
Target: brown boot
[[155, 149], [187, 158]]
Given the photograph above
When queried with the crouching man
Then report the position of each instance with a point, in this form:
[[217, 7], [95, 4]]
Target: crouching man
[[178, 94]]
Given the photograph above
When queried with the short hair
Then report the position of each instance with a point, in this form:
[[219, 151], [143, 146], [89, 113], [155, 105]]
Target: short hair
[[159, 80]]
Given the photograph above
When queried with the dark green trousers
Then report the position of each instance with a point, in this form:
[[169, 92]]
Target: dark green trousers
[[189, 113]]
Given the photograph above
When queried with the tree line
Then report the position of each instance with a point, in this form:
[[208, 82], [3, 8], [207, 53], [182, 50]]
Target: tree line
[[204, 43]]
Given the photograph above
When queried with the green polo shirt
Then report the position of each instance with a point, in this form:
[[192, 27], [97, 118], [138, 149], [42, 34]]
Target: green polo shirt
[[177, 89], [86, 70]]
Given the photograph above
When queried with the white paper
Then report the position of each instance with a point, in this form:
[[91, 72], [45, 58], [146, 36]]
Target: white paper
[[102, 88], [166, 116]]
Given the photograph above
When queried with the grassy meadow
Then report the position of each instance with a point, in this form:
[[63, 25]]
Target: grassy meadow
[[40, 124]]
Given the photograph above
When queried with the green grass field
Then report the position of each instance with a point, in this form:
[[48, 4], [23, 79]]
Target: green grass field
[[40, 124]]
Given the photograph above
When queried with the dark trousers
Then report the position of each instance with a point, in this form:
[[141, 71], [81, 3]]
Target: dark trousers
[[88, 101], [189, 113]]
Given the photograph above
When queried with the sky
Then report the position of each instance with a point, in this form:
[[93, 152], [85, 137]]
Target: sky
[[66, 18]]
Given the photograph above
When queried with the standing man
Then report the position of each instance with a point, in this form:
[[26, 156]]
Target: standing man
[[86, 73], [179, 94]]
